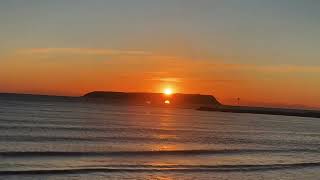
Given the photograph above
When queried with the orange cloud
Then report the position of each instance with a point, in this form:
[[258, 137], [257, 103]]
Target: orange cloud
[[261, 68], [169, 79]]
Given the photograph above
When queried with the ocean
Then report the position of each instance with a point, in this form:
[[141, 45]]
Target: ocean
[[51, 139]]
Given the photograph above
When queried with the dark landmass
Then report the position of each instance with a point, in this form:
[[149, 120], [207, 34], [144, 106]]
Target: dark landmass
[[153, 99], [263, 110], [195, 101], [35, 97], [198, 101]]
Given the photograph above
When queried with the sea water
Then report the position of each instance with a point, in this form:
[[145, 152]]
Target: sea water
[[79, 140]]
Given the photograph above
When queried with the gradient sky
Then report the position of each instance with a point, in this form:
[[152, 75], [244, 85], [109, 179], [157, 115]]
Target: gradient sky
[[267, 52]]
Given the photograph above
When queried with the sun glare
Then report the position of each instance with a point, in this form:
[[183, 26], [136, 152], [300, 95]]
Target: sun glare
[[167, 102], [167, 91]]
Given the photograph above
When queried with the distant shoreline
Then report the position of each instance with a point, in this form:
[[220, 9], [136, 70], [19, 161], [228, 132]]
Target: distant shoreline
[[213, 105], [263, 110]]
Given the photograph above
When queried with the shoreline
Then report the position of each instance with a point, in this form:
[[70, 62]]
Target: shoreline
[[263, 110]]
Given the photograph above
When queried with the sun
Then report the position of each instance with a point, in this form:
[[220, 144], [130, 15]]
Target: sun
[[167, 91]]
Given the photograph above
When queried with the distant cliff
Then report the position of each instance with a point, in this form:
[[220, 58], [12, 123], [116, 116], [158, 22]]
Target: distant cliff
[[157, 99]]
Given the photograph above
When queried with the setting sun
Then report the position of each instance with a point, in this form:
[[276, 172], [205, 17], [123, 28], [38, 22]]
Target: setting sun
[[167, 91]]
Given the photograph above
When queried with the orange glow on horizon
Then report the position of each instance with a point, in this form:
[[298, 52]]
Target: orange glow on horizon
[[168, 91], [74, 78]]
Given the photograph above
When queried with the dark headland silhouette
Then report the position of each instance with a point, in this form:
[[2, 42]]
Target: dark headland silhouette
[[153, 99], [194, 101]]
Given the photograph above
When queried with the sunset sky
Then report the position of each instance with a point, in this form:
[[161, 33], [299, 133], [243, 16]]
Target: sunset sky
[[267, 52]]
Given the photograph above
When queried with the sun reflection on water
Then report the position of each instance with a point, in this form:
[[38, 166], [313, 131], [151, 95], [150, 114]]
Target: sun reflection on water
[[158, 177], [167, 124]]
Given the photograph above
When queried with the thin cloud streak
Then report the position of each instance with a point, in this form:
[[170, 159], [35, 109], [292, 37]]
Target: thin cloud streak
[[267, 68], [171, 79], [177, 59], [85, 51]]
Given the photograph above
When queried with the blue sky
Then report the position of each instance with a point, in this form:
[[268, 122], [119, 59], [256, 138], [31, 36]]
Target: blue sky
[[248, 31]]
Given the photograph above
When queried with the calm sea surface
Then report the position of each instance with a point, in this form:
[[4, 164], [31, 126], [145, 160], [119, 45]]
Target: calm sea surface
[[74, 140]]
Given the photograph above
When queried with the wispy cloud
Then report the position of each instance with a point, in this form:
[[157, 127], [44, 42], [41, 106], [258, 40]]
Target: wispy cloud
[[289, 68], [266, 68], [175, 61], [170, 79], [85, 51]]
